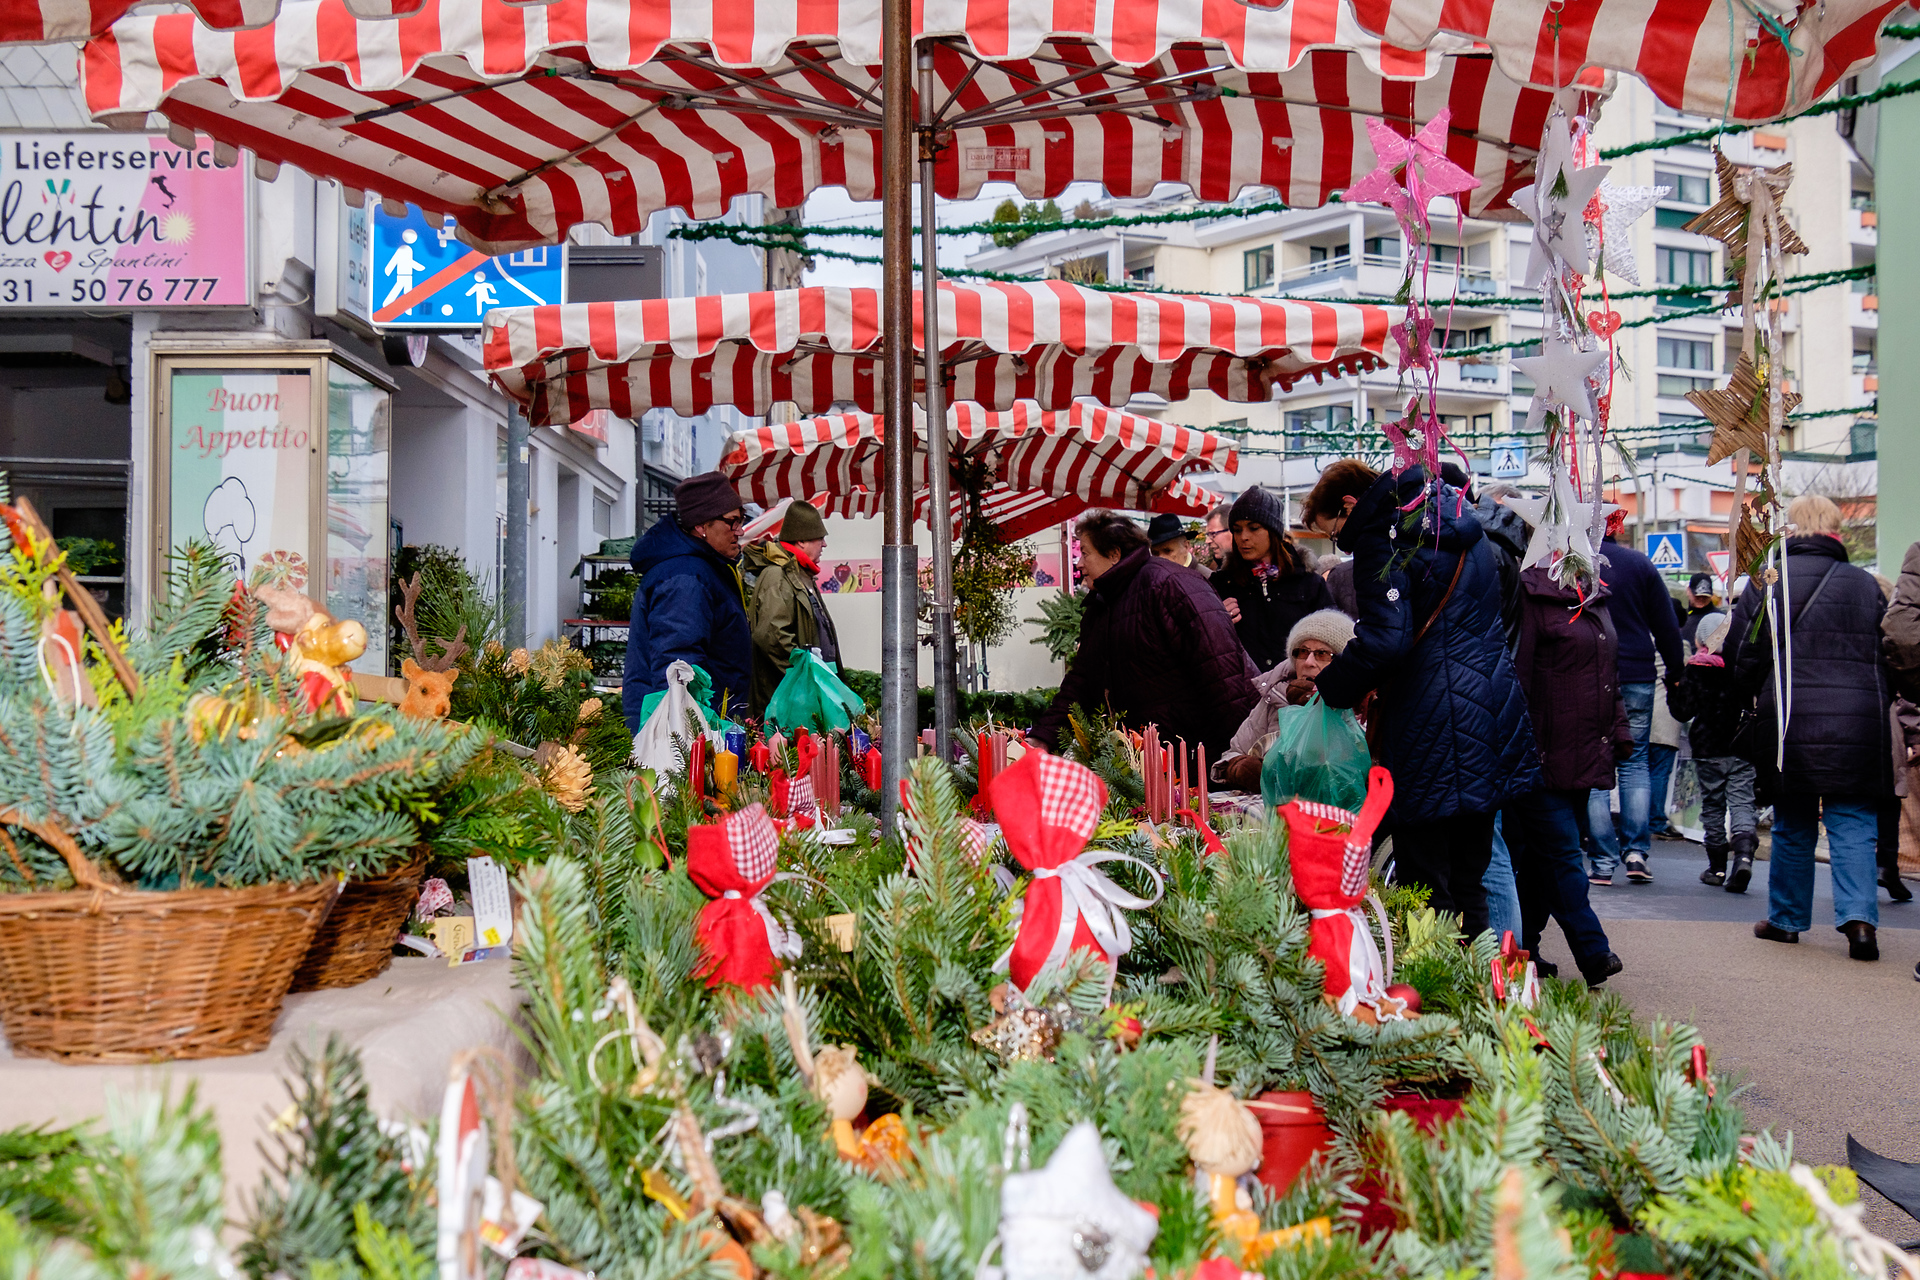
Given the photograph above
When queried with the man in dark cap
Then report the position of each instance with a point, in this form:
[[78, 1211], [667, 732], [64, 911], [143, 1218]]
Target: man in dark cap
[[690, 605], [1167, 537], [1699, 604], [787, 611]]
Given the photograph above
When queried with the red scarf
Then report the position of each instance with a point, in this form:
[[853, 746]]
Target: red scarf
[[801, 556]]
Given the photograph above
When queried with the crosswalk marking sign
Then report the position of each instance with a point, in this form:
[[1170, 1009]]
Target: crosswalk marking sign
[[1667, 550], [1509, 460]]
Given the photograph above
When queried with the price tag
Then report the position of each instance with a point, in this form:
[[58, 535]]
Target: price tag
[[492, 904]]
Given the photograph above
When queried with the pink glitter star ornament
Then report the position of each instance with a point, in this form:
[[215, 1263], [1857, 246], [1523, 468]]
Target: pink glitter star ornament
[[1411, 171]]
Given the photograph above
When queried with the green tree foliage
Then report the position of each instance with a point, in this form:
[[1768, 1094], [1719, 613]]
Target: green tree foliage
[[1031, 219]]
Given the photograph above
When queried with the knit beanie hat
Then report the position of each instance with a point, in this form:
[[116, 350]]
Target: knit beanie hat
[[1711, 633], [1330, 626], [802, 523], [701, 498], [1262, 507]]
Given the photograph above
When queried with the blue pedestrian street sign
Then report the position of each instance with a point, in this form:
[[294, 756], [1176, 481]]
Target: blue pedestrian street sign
[[1509, 459], [425, 278], [1668, 551]]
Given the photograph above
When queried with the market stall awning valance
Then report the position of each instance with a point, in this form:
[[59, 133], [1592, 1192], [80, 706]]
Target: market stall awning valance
[[47, 21], [524, 122], [1034, 467], [1786, 54], [1049, 342]]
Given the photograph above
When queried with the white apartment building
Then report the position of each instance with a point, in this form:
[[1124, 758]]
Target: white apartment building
[[1477, 288]]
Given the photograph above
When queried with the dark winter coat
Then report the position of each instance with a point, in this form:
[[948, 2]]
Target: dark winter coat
[[1708, 699], [688, 607], [1340, 584], [1269, 607], [1450, 719], [1839, 735], [1507, 539], [1901, 628], [1157, 647], [1566, 655], [1643, 614], [785, 612]]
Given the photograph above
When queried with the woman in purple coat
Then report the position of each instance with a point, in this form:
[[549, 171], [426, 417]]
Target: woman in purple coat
[[1566, 658]]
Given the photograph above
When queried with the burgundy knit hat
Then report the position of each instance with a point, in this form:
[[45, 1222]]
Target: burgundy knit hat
[[705, 497]]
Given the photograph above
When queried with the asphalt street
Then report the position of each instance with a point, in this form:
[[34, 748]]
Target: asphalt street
[[1822, 1045]]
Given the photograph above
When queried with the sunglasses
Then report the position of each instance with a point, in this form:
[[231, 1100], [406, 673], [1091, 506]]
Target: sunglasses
[[1325, 655], [734, 522]]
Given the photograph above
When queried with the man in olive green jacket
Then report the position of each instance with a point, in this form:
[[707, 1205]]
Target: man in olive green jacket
[[787, 611]]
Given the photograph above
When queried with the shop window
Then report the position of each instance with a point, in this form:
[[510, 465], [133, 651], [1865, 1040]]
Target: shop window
[[1257, 265]]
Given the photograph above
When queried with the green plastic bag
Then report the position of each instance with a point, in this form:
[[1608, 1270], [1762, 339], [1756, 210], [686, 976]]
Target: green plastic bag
[[811, 696], [1318, 754]]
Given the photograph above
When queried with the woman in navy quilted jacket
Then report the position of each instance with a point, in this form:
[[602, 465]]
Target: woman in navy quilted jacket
[[1449, 719]]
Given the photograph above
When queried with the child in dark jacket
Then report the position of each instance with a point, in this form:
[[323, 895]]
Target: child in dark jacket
[[1706, 696]]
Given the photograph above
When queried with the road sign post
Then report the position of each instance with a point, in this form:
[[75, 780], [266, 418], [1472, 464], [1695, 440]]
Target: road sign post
[[425, 278], [1509, 459]]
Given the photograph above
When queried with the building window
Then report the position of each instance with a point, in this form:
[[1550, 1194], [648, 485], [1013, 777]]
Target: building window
[[1863, 361], [1861, 200], [1688, 188], [1455, 338], [1234, 429], [1258, 264], [1327, 253], [1673, 384], [1683, 351], [1682, 266], [602, 516], [1313, 430], [1387, 247]]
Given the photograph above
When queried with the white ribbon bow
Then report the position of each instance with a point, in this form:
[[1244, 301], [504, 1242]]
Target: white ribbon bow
[[1087, 894], [785, 942], [1370, 986]]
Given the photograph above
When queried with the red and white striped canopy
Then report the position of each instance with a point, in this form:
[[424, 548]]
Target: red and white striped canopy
[[524, 122], [47, 21], [1036, 467], [1684, 51], [1048, 342]]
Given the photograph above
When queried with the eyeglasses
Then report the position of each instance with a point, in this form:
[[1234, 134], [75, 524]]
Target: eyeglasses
[[734, 522], [1219, 533], [1325, 655]]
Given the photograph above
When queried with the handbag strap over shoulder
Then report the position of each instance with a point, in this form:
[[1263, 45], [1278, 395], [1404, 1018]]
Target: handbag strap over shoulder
[[1459, 563]]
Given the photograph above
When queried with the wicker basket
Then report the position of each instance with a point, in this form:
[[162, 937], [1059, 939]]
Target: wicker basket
[[356, 942], [108, 974]]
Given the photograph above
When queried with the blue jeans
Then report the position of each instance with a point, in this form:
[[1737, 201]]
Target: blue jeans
[[1544, 831], [1852, 830], [1660, 758], [1636, 791], [1503, 900]]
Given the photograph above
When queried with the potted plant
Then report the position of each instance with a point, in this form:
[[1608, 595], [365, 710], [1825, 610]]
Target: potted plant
[[179, 808]]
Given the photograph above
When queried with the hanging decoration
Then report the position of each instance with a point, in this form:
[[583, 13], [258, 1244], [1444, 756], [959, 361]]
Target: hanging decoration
[[733, 861], [1581, 227], [1412, 171], [1049, 808]]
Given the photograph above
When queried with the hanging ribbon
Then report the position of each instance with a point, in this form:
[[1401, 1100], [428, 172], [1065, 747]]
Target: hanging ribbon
[[1049, 808]]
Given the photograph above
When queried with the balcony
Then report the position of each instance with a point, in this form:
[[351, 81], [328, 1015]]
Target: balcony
[[1863, 309], [1457, 377], [1865, 387], [1379, 276], [1863, 226]]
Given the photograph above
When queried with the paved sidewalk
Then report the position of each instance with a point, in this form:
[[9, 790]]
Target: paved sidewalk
[[1824, 1045]]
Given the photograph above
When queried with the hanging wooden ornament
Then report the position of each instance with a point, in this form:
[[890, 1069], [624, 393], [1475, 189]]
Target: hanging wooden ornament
[[1739, 412], [1730, 218]]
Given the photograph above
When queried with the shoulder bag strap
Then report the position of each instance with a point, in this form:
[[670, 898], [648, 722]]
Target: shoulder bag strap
[[1459, 563]]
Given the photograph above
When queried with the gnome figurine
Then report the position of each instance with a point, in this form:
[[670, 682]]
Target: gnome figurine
[[1223, 1137]]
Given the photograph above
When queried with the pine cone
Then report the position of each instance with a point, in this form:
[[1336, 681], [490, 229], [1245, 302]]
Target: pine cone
[[518, 662], [566, 775], [590, 709]]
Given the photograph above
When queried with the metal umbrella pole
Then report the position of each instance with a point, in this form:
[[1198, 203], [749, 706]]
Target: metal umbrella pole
[[899, 577], [946, 698]]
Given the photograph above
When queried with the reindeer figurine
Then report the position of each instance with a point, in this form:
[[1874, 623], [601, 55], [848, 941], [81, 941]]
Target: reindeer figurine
[[429, 679]]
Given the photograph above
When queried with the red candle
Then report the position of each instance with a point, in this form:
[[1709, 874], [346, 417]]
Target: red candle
[[986, 743], [697, 767], [1206, 815], [759, 757]]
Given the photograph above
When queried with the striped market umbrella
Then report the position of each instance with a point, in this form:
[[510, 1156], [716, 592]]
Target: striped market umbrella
[[1046, 342], [525, 121], [1033, 467]]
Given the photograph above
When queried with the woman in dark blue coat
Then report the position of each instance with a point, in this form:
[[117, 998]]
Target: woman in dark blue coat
[[1449, 718]]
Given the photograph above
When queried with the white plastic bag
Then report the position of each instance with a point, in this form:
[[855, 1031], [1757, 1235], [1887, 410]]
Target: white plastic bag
[[662, 744]]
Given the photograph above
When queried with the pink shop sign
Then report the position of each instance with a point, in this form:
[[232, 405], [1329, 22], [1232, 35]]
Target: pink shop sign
[[119, 222], [840, 576]]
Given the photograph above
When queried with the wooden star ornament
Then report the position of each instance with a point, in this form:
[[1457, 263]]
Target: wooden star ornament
[[1739, 412], [1726, 219]]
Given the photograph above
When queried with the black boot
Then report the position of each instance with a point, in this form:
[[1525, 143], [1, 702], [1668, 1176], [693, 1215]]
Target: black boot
[[1744, 844], [1891, 882], [1716, 872], [1861, 943]]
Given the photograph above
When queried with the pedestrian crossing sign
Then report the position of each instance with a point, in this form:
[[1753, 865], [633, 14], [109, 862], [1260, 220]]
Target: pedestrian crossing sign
[[1668, 551], [1509, 460], [423, 277]]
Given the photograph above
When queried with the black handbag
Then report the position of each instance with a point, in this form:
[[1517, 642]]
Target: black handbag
[[1749, 729]]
